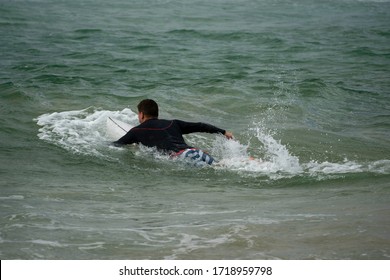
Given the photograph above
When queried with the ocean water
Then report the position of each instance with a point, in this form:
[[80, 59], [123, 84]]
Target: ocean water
[[303, 85]]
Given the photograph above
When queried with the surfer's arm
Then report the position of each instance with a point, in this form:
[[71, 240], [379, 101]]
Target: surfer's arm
[[128, 138], [191, 127]]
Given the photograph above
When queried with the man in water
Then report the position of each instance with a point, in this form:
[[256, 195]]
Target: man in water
[[167, 135]]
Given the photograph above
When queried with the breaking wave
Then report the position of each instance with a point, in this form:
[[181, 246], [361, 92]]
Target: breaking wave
[[84, 132]]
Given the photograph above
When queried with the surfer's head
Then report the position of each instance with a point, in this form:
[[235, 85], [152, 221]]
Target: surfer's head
[[147, 109]]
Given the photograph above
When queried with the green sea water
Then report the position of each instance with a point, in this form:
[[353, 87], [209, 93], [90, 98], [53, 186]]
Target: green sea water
[[303, 85]]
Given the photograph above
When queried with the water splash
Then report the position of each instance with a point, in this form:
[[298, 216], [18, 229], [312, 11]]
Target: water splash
[[277, 161], [84, 132], [80, 131]]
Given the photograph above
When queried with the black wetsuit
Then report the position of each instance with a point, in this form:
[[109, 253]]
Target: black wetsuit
[[166, 135]]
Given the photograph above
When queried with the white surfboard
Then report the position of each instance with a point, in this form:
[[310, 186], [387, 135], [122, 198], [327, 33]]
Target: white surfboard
[[116, 129]]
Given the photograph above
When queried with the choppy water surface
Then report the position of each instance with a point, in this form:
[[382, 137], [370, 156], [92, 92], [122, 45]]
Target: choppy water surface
[[303, 85]]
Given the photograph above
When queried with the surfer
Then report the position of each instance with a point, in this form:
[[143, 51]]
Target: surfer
[[167, 135]]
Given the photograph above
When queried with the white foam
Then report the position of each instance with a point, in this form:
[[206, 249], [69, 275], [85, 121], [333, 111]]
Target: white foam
[[276, 159], [84, 132], [278, 153], [326, 167], [12, 197], [380, 166], [48, 243], [80, 131], [190, 242]]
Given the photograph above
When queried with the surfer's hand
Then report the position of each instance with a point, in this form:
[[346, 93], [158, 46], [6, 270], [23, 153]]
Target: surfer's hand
[[228, 135]]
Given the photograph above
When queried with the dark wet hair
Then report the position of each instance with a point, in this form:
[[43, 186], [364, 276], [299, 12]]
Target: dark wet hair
[[149, 107]]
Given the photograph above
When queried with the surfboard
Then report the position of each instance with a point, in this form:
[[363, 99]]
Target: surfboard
[[116, 129]]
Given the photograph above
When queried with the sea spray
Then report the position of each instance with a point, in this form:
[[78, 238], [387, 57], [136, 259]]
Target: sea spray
[[275, 160], [277, 153], [80, 131], [83, 132], [312, 73]]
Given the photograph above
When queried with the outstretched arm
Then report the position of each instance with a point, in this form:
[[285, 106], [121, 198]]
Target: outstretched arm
[[128, 138], [190, 127]]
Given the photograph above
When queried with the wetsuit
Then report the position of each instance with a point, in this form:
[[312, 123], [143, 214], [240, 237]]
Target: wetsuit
[[167, 135]]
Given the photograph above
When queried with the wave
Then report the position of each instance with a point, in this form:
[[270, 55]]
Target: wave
[[80, 131], [84, 132]]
